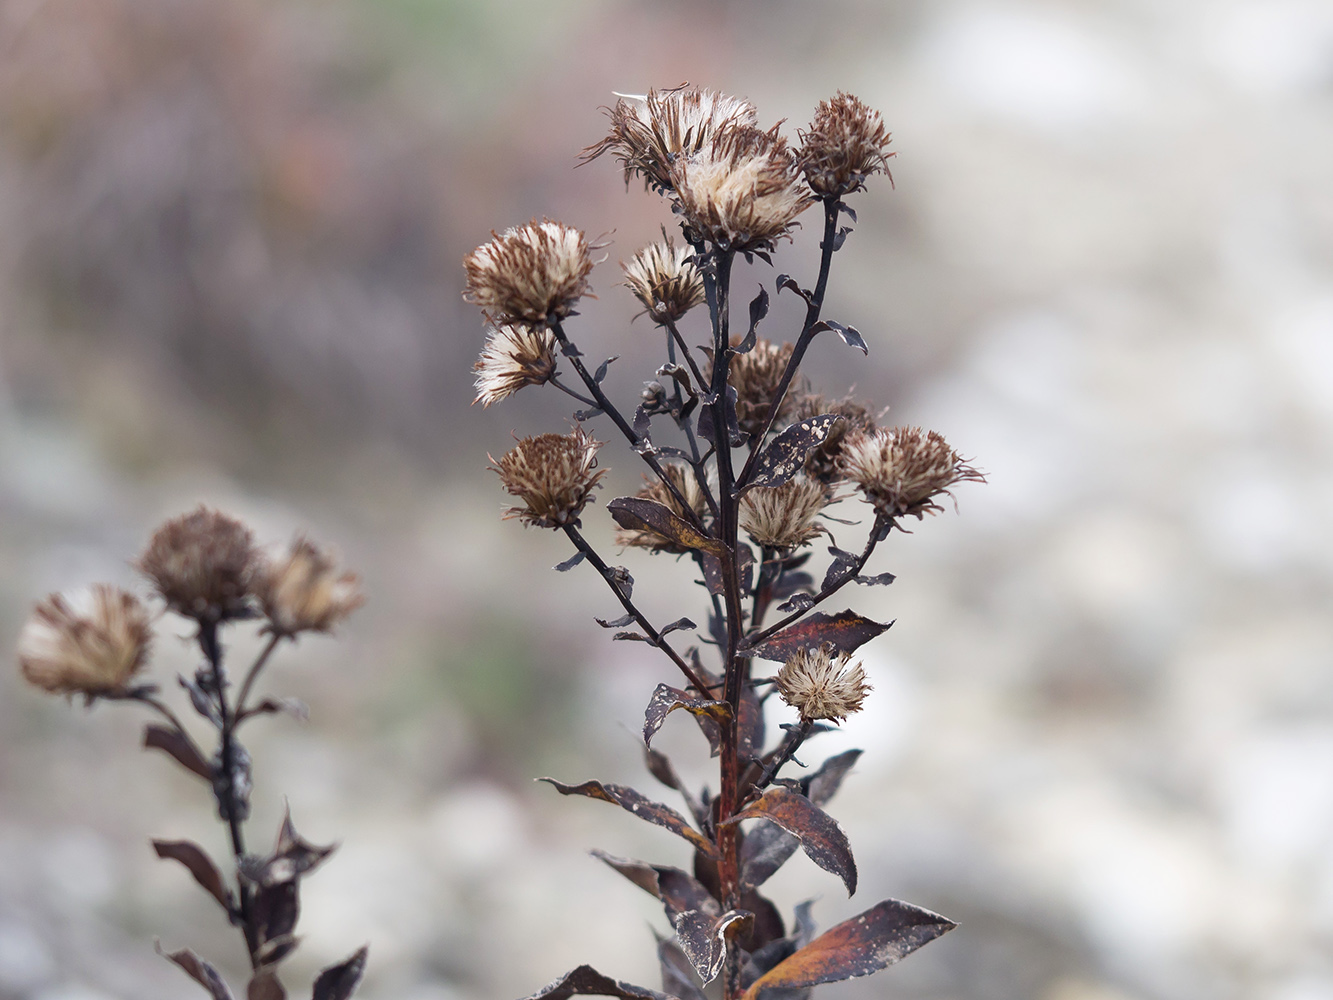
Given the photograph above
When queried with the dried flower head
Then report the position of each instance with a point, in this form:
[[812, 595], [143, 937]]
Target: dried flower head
[[901, 471], [553, 474], [755, 376], [304, 591], [742, 191], [514, 356], [824, 462], [654, 489], [664, 280], [783, 517], [844, 145], [91, 642], [529, 273], [647, 136], [202, 564], [821, 686]]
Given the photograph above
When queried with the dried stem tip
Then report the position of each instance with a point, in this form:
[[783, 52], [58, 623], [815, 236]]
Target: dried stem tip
[[902, 471], [514, 356], [203, 564], [90, 643], [553, 475], [844, 145], [303, 591], [783, 517], [528, 273], [821, 686], [660, 278]]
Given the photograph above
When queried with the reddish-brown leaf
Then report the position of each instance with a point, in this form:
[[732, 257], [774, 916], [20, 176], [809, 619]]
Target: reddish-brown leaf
[[632, 801], [824, 783], [198, 970], [640, 873], [821, 838], [845, 632], [639, 514], [338, 981], [200, 865], [587, 981], [877, 938], [264, 985], [178, 746], [667, 699]]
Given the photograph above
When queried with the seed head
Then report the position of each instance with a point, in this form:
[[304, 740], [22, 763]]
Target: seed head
[[203, 564], [821, 686], [553, 475], [529, 273], [783, 517], [755, 377], [647, 136], [514, 356], [660, 278], [844, 145], [824, 462], [902, 471], [91, 642], [683, 479], [303, 591]]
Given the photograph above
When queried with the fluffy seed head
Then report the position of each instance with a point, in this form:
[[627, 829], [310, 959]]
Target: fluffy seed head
[[514, 356], [821, 686], [783, 517], [553, 475], [902, 471], [89, 643], [528, 273], [203, 564], [683, 479], [660, 278], [304, 591], [824, 463], [844, 145], [755, 377], [647, 136]]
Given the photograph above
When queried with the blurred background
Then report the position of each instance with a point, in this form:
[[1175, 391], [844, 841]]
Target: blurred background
[[1101, 736]]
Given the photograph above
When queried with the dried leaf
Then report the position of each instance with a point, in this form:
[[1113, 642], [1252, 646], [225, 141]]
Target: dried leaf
[[850, 335], [620, 622], [878, 938], [821, 838], [640, 514], [881, 580], [768, 925], [751, 722], [601, 369], [821, 786], [712, 567], [569, 563], [703, 938], [179, 746], [640, 873], [293, 856], [275, 910], [845, 632], [274, 951], [201, 866], [758, 310], [767, 848], [587, 981], [198, 970], [667, 699], [677, 625], [264, 985], [677, 973], [705, 428], [788, 282], [786, 454], [338, 981], [294, 707], [631, 801]]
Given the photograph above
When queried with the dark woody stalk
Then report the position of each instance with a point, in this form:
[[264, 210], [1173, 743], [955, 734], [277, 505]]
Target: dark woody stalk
[[737, 189]]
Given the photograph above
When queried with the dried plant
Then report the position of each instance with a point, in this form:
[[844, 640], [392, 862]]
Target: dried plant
[[206, 568], [755, 453]]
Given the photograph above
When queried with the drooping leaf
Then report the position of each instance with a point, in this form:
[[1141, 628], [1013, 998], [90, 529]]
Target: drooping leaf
[[879, 580], [677, 973], [768, 925], [844, 564], [703, 938], [569, 563], [667, 699], [587, 981], [198, 970], [659, 766], [677, 625], [821, 838], [264, 985], [714, 579], [705, 428], [821, 786], [845, 632], [338, 981], [632, 637], [758, 310], [179, 746], [850, 335], [640, 873], [786, 454], [601, 369], [789, 283], [620, 622], [878, 938], [632, 801], [200, 865], [767, 848], [275, 909], [640, 514], [294, 707]]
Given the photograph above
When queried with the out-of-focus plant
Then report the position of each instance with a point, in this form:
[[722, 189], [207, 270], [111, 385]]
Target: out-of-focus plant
[[755, 453], [206, 568]]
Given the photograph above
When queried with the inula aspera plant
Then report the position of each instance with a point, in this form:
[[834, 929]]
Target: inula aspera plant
[[205, 567], [742, 459]]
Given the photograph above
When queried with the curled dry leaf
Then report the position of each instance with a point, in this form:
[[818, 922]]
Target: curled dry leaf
[[821, 838], [587, 981], [338, 981], [703, 938], [198, 970], [667, 699], [640, 514], [845, 632], [642, 807], [179, 746], [677, 973], [201, 866]]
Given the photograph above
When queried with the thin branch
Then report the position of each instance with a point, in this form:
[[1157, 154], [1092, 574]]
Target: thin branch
[[699, 379], [795, 737], [570, 392], [253, 673]]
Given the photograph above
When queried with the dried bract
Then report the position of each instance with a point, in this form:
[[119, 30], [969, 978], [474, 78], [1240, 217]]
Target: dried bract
[[825, 461], [784, 517], [822, 686], [844, 145], [553, 474], [90, 643], [648, 136], [742, 191], [514, 356], [755, 377], [683, 479], [660, 278], [529, 273], [203, 565], [902, 471], [304, 592]]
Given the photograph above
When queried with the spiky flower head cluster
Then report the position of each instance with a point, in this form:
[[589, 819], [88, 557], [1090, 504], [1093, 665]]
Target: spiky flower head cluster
[[553, 475], [90, 642], [514, 356], [529, 273], [304, 590], [845, 144], [902, 471], [755, 376], [683, 479], [820, 685], [203, 564], [663, 277], [784, 517]]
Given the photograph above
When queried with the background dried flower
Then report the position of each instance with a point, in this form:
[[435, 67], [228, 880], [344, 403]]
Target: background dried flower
[[529, 272], [820, 685], [202, 564], [660, 278], [755, 376], [784, 517], [304, 591], [825, 461], [514, 356], [901, 471], [553, 474], [844, 145], [90, 642]]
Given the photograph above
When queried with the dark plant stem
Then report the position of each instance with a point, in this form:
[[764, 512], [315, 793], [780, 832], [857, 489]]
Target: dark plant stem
[[795, 737], [253, 673], [699, 379]]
